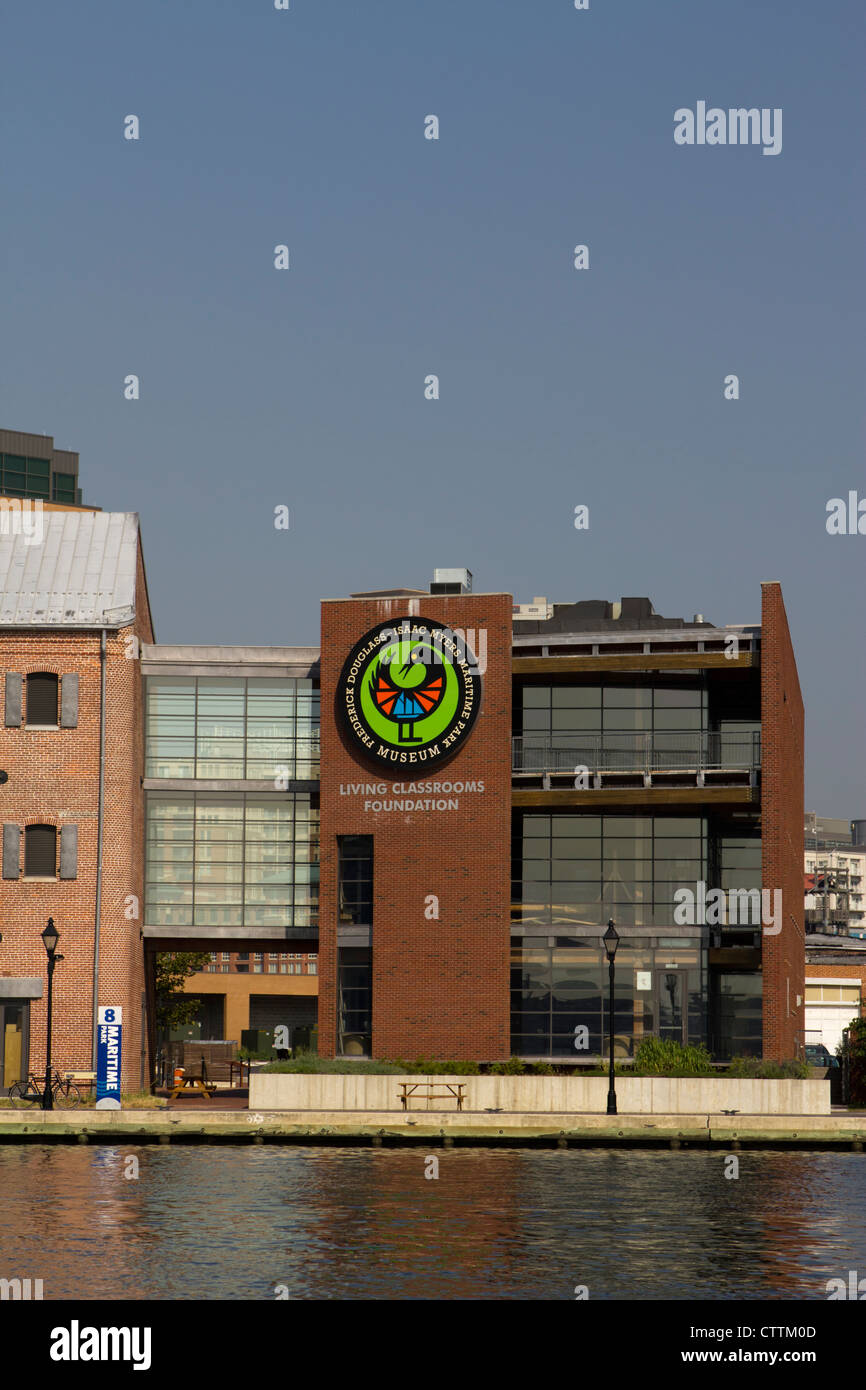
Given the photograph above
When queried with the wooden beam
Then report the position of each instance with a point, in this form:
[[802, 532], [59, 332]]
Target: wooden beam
[[663, 661], [639, 796], [744, 957]]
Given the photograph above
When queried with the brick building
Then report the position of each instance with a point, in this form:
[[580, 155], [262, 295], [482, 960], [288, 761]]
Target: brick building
[[73, 613], [416, 834]]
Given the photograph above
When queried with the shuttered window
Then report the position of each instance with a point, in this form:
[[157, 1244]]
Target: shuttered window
[[40, 851], [41, 698]]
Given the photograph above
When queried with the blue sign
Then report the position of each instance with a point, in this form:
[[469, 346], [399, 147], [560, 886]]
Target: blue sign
[[109, 1036]]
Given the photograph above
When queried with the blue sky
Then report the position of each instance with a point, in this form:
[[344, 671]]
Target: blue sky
[[410, 257]]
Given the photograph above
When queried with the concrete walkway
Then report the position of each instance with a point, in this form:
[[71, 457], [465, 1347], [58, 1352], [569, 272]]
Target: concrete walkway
[[194, 1122]]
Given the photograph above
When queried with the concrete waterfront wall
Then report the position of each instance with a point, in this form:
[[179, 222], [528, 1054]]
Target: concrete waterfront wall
[[636, 1095]]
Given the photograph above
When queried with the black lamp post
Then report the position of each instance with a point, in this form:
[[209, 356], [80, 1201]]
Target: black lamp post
[[610, 941], [50, 938]]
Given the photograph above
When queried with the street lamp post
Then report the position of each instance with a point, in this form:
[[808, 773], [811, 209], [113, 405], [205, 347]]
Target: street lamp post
[[610, 941], [50, 938]]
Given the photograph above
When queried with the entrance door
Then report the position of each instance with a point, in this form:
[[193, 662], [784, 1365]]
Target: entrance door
[[670, 990], [13, 1043]]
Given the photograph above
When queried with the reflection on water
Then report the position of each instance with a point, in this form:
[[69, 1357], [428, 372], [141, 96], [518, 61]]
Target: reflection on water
[[219, 1222]]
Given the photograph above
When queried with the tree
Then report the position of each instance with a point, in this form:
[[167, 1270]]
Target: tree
[[857, 1060], [174, 1009]]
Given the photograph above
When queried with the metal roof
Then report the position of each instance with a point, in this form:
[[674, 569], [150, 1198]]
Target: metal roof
[[67, 569]]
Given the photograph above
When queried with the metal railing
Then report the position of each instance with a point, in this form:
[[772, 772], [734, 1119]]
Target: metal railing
[[639, 753]]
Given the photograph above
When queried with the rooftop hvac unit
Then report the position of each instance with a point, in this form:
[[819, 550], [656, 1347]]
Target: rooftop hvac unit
[[457, 581]]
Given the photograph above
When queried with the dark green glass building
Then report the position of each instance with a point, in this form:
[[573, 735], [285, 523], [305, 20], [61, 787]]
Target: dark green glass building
[[31, 467]]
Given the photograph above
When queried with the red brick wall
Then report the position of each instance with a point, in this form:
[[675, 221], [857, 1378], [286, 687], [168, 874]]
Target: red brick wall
[[440, 988], [782, 743], [54, 779]]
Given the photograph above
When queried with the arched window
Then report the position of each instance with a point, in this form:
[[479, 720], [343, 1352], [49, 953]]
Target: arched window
[[42, 699], [40, 851]]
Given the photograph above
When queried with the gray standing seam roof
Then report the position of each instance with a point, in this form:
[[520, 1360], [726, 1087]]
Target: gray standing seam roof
[[81, 572]]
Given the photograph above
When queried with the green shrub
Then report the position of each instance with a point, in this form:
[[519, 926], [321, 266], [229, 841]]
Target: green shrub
[[540, 1069], [665, 1057], [761, 1069], [513, 1067], [308, 1064]]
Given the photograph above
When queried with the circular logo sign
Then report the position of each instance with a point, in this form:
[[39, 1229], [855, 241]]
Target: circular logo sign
[[409, 693]]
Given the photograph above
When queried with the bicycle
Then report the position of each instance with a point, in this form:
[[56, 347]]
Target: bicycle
[[33, 1089]]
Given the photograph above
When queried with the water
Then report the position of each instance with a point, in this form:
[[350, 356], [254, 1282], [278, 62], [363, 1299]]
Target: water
[[223, 1222]]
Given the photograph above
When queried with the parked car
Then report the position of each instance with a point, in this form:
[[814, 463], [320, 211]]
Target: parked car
[[817, 1055]]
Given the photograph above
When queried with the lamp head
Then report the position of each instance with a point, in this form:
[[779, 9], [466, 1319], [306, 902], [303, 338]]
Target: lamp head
[[611, 940], [50, 937]]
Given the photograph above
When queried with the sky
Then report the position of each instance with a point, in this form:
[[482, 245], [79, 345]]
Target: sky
[[412, 257]]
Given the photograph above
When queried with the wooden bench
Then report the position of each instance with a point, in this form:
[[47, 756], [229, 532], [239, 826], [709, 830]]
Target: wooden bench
[[84, 1079], [427, 1090]]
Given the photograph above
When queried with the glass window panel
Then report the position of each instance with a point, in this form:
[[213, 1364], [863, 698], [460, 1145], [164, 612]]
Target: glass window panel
[[221, 689], [266, 770], [220, 726], [628, 827], [169, 873], [680, 719], [535, 826], [161, 688], [276, 750], [576, 696], [166, 767], [686, 827], [741, 878], [627, 697], [574, 871], [220, 770], [577, 721], [171, 725], [161, 808], [537, 849], [634, 722], [677, 697], [587, 849], [536, 697], [571, 826], [275, 809], [618, 849], [677, 848], [165, 893], [169, 853]]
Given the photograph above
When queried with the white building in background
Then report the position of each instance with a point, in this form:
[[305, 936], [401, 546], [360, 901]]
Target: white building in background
[[835, 881], [835, 867], [831, 1003]]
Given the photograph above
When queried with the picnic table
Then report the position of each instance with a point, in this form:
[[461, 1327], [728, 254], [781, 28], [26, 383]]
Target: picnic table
[[207, 1088], [427, 1090], [208, 1072]]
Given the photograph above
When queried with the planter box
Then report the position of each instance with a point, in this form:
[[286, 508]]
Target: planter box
[[649, 1095]]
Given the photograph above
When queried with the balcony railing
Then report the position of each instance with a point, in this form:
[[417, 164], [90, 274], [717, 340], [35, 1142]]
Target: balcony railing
[[636, 753]]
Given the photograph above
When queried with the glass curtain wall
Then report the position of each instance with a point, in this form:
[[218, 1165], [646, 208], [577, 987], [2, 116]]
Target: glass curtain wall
[[231, 860], [256, 729], [615, 727], [560, 995], [580, 869]]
